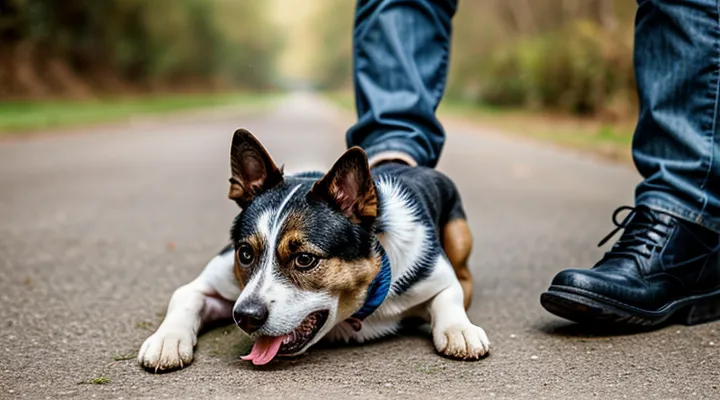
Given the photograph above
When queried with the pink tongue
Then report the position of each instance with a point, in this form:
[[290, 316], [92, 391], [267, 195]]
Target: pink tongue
[[264, 349]]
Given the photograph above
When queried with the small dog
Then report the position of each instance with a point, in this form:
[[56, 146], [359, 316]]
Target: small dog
[[345, 256]]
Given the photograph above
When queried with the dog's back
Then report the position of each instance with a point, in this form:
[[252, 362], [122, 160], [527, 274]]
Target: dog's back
[[428, 189]]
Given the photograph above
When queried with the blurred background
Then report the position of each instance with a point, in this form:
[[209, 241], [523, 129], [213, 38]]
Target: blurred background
[[554, 69]]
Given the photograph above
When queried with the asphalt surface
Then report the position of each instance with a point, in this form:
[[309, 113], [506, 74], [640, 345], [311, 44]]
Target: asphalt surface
[[98, 228]]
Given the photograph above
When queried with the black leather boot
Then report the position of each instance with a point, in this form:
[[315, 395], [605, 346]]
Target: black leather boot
[[662, 270]]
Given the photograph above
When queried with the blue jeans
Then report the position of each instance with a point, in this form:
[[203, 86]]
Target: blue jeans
[[676, 145], [401, 53], [400, 59]]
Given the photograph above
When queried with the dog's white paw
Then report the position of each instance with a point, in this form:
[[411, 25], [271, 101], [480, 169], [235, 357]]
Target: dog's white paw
[[463, 341], [167, 349]]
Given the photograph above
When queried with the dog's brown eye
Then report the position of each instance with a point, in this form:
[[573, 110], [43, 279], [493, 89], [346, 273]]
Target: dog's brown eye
[[305, 261], [246, 255]]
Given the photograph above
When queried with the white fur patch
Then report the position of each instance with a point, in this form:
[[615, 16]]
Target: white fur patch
[[219, 274], [269, 225], [405, 237], [274, 230], [263, 227], [453, 333]]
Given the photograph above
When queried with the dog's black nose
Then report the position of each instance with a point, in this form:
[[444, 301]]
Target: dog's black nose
[[250, 315]]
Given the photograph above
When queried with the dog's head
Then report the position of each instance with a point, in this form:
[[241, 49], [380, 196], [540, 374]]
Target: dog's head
[[304, 247]]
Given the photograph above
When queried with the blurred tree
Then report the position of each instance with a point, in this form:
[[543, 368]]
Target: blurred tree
[[78, 46], [333, 63], [569, 55]]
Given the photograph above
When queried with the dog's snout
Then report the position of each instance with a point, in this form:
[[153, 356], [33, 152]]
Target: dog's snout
[[251, 315]]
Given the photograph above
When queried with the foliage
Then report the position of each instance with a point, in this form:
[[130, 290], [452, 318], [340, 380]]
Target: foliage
[[577, 69], [77, 46], [563, 55], [567, 55], [333, 64]]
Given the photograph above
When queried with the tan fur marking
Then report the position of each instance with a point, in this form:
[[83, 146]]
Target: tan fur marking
[[258, 244], [335, 275], [239, 273], [347, 280], [457, 243], [292, 243], [365, 207], [368, 205]]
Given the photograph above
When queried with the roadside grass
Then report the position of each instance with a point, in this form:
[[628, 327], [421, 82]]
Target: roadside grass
[[607, 139], [99, 380], [28, 116]]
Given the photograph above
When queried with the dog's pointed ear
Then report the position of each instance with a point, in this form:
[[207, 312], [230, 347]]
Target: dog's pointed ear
[[253, 171], [349, 187]]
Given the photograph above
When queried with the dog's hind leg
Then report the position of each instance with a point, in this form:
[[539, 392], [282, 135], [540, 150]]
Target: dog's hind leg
[[208, 298], [457, 243]]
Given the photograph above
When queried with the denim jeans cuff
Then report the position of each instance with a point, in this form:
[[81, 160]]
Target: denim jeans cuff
[[392, 149], [668, 204]]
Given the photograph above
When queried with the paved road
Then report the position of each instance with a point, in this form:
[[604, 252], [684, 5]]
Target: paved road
[[97, 229]]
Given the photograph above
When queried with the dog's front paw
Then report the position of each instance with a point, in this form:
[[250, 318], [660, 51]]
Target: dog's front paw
[[464, 341], [167, 350]]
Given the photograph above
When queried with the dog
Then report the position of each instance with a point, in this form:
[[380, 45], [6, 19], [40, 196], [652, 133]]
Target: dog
[[345, 256]]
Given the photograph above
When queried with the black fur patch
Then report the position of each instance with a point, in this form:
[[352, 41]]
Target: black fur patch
[[430, 190], [322, 226]]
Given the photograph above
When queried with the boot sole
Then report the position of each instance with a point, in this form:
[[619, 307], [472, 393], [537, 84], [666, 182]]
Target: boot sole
[[585, 307]]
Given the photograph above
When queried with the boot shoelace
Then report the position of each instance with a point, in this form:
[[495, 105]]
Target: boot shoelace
[[638, 237]]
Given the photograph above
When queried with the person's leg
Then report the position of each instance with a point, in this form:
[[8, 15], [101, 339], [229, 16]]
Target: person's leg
[[676, 146], [667, 262], [400, 58]]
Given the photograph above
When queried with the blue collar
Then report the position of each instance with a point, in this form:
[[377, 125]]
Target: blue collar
[[379, 287]]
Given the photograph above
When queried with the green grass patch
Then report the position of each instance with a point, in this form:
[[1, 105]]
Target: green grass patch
[[23, 116], [100, 380]]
